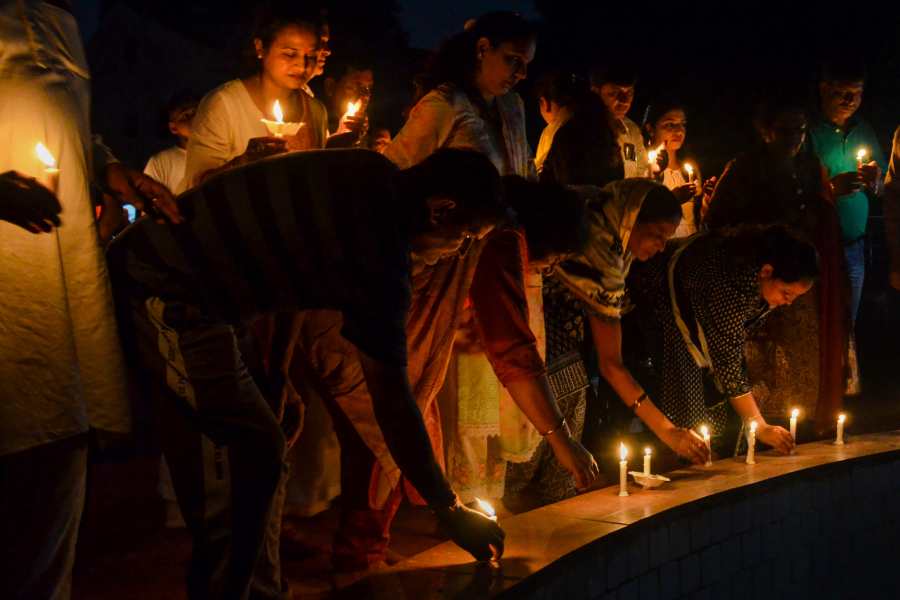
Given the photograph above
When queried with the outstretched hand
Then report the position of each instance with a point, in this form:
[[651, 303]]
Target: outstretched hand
[[27, 203], [574, 458], [687, 444], [472, 531], [129, 186]]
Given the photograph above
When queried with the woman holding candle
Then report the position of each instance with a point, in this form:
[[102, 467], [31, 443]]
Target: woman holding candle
[[625, 221], [469, 102], [666, 129], [798, 356], [704, 296], [289, 48]]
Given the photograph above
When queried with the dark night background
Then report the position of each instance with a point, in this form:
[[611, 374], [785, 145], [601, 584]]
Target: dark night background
[[718, 58]]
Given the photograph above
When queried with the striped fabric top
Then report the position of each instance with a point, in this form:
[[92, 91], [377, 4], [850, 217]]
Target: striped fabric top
[[319, 229]]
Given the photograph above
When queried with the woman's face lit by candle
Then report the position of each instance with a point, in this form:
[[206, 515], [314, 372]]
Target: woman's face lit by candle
[[616, 97], [647, 239], [670, 130], [777, 292], [291, 60], [500, 68]]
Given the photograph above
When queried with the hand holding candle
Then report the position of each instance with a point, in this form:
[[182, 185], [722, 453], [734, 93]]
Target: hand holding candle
[[839, 438], [623, 470], [51, 172], [751, 443]]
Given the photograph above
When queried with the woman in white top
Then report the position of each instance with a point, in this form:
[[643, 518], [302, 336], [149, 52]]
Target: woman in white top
[[666, 129], [228, 128]]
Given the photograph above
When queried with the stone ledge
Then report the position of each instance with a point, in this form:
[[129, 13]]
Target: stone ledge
[[773, 518]]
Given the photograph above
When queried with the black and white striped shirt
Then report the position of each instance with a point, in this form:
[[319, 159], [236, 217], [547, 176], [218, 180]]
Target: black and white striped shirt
[[306, 230]]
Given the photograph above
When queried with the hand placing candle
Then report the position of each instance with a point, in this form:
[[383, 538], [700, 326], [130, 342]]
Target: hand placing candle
[[839, 438], [704, 431], [623, 470], [751, 443], [51, 172], [648, 452]]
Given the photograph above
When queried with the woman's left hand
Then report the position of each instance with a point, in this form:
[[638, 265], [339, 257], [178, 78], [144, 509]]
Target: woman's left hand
[[777, 437]]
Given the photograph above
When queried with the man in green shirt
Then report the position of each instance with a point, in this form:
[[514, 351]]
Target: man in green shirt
[[852, 156]]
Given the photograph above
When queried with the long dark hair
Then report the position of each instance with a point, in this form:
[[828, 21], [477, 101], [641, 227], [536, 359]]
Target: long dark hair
[[271, 17], [655, 112], [792, 257], [456, 61]]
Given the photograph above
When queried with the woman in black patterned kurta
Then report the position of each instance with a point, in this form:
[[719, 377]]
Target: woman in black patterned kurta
[[724, 284]]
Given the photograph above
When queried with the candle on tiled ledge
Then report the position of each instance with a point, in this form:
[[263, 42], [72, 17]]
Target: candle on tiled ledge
[[623, 470], [839, 439], [751, 444], [704, 431], [794, 414]]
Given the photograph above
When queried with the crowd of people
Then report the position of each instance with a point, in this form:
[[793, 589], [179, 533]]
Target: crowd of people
[[437, 302]]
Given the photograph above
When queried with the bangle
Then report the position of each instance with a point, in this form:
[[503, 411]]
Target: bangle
[[637, 403], [560, 425]]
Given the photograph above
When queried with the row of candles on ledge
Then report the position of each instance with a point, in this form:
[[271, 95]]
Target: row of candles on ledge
[[704, 433], [488, 510]]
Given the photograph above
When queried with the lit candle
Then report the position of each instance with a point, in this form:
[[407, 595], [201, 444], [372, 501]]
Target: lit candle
[[653, 157], [50, 169], [704, 431], [751, 444], [861, 157], [353, 108], [623, 470], [486, 508], [279, 119], [794, 414], [839, 440], [689, 168], [647, 453]]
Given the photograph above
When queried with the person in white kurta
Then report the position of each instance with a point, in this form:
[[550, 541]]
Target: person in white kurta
[[61, 367]]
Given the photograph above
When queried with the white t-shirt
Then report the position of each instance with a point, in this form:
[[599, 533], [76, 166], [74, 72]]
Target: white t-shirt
[[167, 166], [672, 179]]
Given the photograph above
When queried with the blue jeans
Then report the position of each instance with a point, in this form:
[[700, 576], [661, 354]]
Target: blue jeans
[[855, 255]]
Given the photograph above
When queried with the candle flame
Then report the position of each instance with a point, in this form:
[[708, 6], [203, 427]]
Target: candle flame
[[753, 426], [485, 507], [276, 110], [623, 452], [353, 108], [861, 154], [689, 168], [704, 431], [45, 156], [651, 156], [648, 451], [841, 418], [795, 413]]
